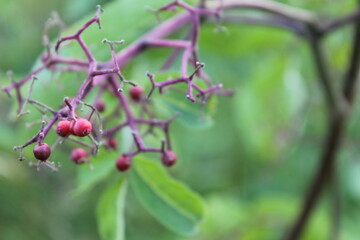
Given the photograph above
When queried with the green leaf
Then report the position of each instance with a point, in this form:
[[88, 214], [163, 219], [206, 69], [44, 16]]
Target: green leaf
[[110, 211], [103, 165], [169, 201]]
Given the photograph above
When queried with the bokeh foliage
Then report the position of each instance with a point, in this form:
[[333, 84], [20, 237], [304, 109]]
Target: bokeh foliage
[[251, 165]]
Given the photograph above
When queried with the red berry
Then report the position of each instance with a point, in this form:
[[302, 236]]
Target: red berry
[[42, 151], [82, 127], [71, 126], [169, 158], [123, 163], [100, 105], [78, 155], [111, 143], [136, 93], [63, 129]]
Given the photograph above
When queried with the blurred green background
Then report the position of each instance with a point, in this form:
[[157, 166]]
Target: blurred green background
[[252, 164]]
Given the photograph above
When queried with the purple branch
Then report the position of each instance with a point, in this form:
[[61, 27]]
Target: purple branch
[[130, 118], [105, 75], [44, 130], [115, 129], [19, 84]]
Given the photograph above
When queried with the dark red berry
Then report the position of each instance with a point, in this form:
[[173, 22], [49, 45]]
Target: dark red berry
[[123, 163], [42, 151], [78, 155], [111, 143], [82, 127], [136, 93], [169, 158], [63, 128], [100, 105]]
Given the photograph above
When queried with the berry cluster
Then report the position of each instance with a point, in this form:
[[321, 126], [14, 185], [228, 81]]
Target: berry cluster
[[107, 76], [77, 127]]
